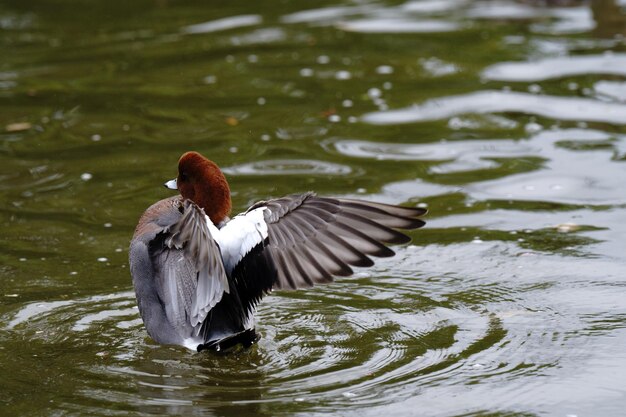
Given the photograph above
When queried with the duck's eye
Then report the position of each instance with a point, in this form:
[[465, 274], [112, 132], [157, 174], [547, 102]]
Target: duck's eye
[[183, 176]]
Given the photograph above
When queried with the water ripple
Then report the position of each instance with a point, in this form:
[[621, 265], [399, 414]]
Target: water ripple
[[563, 108], [558, 67], [463, 156], [397, 25], [362, 351], [226, 23], [289, 167]]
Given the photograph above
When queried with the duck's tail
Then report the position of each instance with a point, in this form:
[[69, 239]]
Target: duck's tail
[[245, 338]]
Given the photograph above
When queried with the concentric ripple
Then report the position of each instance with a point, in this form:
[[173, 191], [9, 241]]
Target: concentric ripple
[[378, 336]]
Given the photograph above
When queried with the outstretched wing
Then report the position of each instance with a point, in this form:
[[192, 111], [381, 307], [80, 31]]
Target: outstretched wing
[[303, 240]]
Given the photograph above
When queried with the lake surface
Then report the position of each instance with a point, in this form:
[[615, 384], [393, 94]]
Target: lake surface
[[506, 119]]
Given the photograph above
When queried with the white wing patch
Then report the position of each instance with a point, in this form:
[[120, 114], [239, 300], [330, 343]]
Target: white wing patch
[[240, 236]]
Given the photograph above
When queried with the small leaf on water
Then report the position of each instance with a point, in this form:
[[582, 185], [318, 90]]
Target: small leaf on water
[[18, 127]]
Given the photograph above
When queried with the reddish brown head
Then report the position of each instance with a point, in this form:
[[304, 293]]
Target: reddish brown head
[[202, 182]]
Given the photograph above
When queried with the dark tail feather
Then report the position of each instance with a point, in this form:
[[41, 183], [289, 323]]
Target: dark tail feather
[[246, 338]]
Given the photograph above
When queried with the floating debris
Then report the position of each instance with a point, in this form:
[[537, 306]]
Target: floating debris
[[18, 127], [231, 121]]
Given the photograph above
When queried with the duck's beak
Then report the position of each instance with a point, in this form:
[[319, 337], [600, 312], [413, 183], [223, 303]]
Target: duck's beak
[[171, 184]]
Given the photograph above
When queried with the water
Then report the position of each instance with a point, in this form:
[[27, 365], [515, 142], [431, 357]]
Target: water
[[506, 119]]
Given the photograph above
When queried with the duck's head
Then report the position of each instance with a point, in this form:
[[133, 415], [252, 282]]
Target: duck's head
[[201, 181]]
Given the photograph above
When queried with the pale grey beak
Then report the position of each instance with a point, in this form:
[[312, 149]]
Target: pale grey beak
[[171, 184]]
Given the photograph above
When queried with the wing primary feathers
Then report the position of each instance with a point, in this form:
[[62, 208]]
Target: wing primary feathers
[[343, 268], [397, 211], [324, 275], [283, 270], [356, 257], [375, 230], [357, 237], [303, 273]]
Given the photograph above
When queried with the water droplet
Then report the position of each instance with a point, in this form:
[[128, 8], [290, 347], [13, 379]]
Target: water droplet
[[374, 92], [86, 176], [567, 227], [347, 103], [323, 59], [533, 127], [334, 118], [210, 79], [103, 259], [108, 225], [260, 101], [306, 72], [384, 69], [343, 75]]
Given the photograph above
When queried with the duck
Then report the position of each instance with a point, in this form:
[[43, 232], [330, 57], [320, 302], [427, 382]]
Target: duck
[[199, 275]]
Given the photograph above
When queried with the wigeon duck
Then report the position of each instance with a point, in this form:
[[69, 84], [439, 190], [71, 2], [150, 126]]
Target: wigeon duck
[[199, 275]]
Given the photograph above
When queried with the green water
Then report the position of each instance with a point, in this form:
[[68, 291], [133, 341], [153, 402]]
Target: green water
[[507, 119]]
